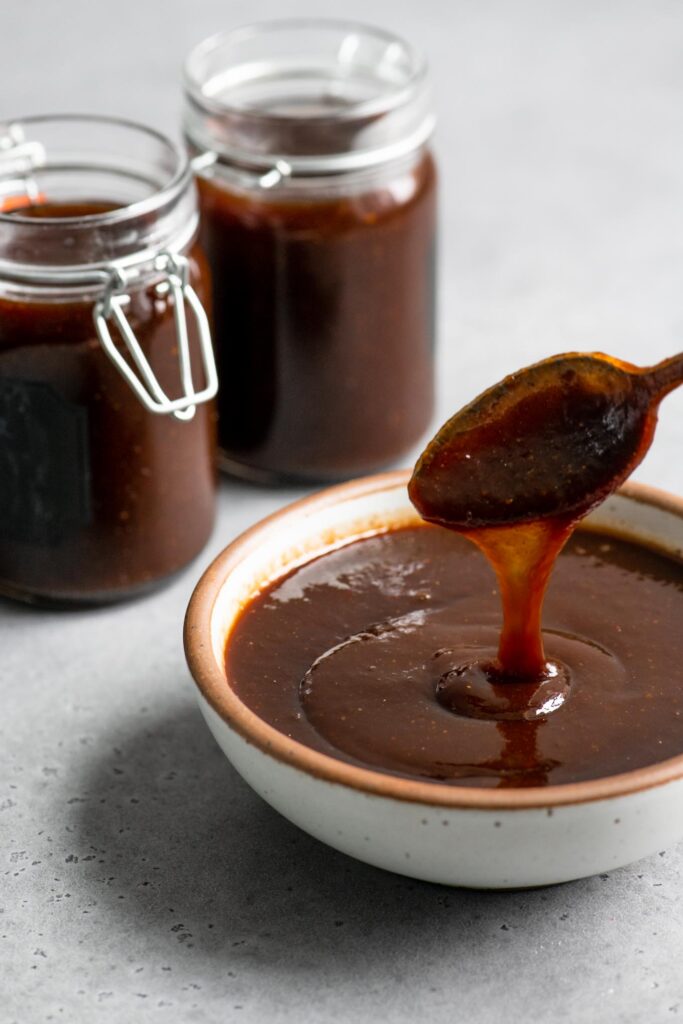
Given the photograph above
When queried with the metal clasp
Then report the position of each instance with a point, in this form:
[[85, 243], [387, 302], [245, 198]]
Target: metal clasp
[[279, 171], [175, 284], [19, 158]]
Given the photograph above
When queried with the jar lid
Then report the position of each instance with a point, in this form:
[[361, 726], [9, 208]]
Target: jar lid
[[312, 96]]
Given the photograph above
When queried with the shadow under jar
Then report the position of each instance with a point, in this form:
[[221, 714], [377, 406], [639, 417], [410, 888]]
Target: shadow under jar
[[107, 432], [318, 215]]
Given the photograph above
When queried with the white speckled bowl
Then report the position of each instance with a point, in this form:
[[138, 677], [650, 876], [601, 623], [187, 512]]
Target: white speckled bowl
[[455, 835]]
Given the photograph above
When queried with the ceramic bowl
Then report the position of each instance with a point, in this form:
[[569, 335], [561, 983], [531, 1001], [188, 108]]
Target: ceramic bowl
[[505, 838]]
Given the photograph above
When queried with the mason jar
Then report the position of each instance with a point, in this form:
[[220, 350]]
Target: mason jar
[[317, 192], [107, 433]]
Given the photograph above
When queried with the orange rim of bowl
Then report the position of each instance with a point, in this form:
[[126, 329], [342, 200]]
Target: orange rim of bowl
[[213, 684]]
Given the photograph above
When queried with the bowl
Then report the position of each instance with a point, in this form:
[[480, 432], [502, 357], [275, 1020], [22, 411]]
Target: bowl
[[479, 838]]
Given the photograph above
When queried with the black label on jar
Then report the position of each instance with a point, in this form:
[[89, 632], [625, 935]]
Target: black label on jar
[[44, 464]]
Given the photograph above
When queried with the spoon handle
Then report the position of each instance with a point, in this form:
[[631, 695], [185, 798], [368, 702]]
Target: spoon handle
[[666, 376]]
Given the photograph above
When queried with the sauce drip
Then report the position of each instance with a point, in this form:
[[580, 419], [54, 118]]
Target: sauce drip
[[516, 470]]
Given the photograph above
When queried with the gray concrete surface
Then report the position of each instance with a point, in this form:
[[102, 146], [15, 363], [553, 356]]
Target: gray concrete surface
[[141, 879]]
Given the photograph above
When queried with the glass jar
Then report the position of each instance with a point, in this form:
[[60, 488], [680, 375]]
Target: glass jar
[[106, 369], [317, 200]]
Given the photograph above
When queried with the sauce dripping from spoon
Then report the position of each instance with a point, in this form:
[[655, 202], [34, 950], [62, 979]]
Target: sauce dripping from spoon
[[515, 471]]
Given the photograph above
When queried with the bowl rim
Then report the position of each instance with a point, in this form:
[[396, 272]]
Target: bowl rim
[[213, 685]]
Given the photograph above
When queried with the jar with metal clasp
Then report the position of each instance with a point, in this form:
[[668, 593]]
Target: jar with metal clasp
[[317, 186], [107, 374]]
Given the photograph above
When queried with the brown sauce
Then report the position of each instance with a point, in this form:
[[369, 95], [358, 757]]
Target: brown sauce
[[323, 321], [44, 210], [346, 654], [99, 497]]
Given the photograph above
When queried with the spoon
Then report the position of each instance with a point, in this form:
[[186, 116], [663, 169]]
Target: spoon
[[518, 467], [553, 439]]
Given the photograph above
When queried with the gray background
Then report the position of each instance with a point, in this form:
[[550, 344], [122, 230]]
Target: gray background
[[141, 879]]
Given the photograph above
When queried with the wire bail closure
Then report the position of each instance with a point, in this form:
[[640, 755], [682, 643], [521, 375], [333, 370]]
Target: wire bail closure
[[281, 170], [146, 386], [19, 158]]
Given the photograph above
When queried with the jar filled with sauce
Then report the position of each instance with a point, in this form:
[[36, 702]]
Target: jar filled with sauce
[[318, 207], [107, 435]]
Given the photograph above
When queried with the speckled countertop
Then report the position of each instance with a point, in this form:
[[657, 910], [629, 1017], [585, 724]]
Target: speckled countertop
[[141, 879]]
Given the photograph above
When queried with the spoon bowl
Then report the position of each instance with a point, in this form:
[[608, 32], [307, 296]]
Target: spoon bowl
[[551, 440]]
